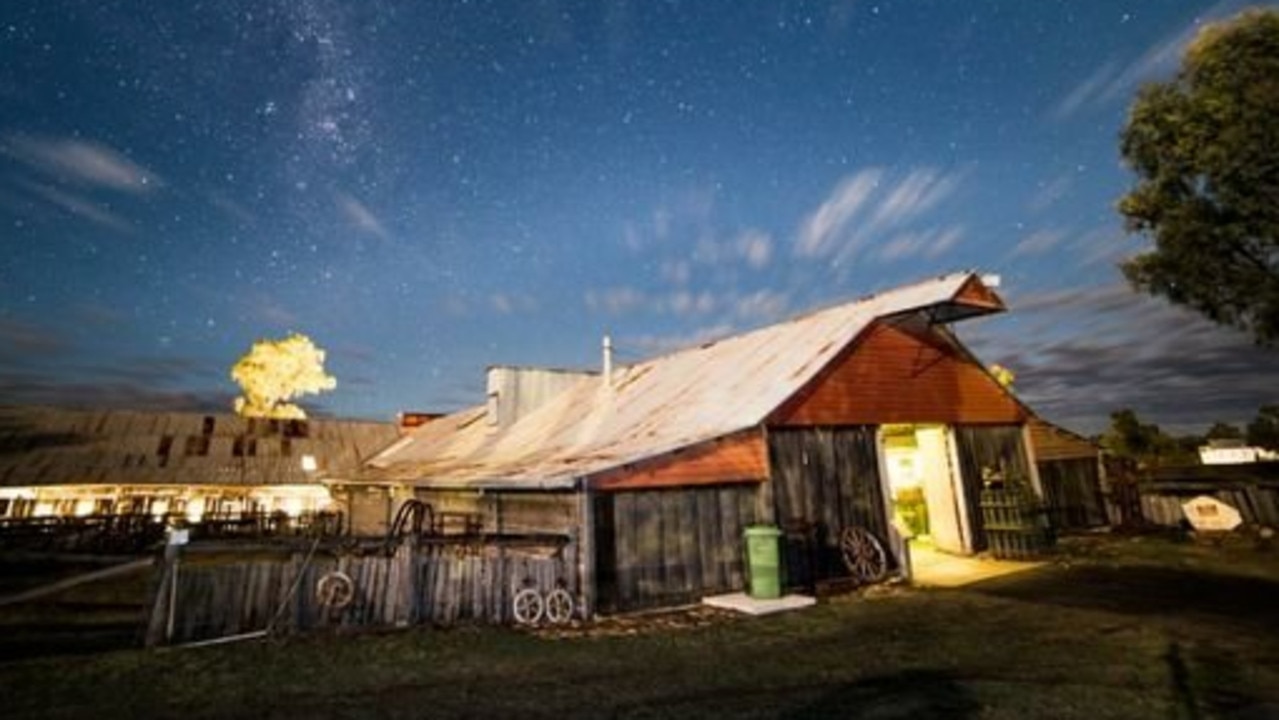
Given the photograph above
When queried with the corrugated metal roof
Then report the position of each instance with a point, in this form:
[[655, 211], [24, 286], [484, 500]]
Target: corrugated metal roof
[[650, 408], [54, 446]]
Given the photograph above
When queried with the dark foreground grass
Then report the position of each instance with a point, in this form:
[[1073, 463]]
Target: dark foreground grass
[[1167, 631]]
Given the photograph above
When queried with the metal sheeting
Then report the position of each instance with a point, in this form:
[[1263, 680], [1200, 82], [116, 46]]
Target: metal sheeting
[[51, 446], [648, 409]]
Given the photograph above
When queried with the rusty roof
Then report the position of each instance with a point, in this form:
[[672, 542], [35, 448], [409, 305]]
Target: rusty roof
[[55, 446], [652, 407]]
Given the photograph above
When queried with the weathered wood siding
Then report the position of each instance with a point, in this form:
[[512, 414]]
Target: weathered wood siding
[[896, 374], [657, 548], [505, 512], [999, 449], [741, 457], [439, 584], [1252, 489], [1072, 491], [824, 480]]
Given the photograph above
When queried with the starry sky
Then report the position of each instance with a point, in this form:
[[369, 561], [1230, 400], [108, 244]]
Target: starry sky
[[429, 188]]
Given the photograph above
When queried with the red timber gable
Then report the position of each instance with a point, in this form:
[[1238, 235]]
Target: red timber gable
[[738, 458], [896, 374]]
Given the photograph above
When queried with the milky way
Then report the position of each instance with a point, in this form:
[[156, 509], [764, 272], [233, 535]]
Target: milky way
[[429, 188]]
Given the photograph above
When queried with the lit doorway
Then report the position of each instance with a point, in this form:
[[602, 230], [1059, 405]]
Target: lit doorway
[[922, 480]]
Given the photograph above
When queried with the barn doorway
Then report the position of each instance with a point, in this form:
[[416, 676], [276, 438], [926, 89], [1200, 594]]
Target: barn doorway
[[923, 481]]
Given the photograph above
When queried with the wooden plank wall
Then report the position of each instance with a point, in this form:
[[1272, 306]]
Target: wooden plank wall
[[436, 584], [825, 478], [1256, 500], [664, 547], [1072, 491], [998, 448]]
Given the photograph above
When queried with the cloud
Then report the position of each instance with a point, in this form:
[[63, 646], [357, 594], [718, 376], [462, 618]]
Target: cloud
[[1112, 81], [1051, 192], [684, 303], [676, 272], [361, 217], [662, 344], [39, 367], [1038, 242], [82, 162], [22, 340], [819, 233], [929, 243], [508, 304], [81, 207], [755, 247], [920, 191], [761, 306], [868, 203], [614, 301], [1081, 353]]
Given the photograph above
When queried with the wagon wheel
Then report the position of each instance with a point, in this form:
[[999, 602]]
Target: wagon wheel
[[528, 606], [335, 590], [863, 555], [559, 606]]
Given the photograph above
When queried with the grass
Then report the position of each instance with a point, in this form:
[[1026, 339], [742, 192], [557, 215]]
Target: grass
[[1118, 628]]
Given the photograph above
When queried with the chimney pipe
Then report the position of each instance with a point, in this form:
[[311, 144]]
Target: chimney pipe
[[608, 361]]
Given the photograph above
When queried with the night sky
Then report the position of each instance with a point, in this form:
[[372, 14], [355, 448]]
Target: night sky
[[428, 188]]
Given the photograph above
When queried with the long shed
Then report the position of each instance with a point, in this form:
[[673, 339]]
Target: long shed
[[856, 415], [69, 462]]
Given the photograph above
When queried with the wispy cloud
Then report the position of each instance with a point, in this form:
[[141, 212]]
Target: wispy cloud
[[614, 301], [1081, 353], [761, 306], [660, 344], [820, 232], [27, 341], [920, 191], [80, 207], [360, 216], [504, 303], [81, 162], [755, 247], [1051, 192], [1038, 242], [1113, 80], [870, 203], [929, 243]]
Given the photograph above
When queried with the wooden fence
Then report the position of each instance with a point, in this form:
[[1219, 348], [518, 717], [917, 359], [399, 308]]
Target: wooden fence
[[435, 583], [1252, 489]]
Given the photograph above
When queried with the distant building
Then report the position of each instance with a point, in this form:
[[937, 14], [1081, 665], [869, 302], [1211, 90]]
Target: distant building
[[1233, 452], [67, 463]]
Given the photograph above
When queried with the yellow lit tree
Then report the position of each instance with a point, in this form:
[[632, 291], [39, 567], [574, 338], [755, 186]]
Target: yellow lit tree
[[274, 372], [1003, 376]]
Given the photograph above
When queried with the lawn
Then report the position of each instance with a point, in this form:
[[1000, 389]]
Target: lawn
[[1115, 628]]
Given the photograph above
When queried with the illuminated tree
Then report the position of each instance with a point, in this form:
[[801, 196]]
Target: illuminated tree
[[1205, 148], [1003, 376], [274, 372]]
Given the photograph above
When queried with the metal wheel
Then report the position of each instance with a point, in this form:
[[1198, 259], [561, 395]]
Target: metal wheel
[[863, 555], [559, 606], [335, 590], [528, 606]]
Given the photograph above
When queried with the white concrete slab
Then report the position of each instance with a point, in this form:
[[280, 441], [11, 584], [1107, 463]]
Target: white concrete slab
[[741, 602]]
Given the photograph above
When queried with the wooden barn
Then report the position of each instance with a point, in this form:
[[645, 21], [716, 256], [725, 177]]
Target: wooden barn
[[60, 463], [870, 414]]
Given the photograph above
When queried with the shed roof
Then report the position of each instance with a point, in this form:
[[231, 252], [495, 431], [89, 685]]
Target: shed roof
[[1053, 442], [659, 405], [55, 446]]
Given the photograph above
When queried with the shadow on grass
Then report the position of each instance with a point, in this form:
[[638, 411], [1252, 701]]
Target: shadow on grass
[[908, 694], [1149, 592]]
